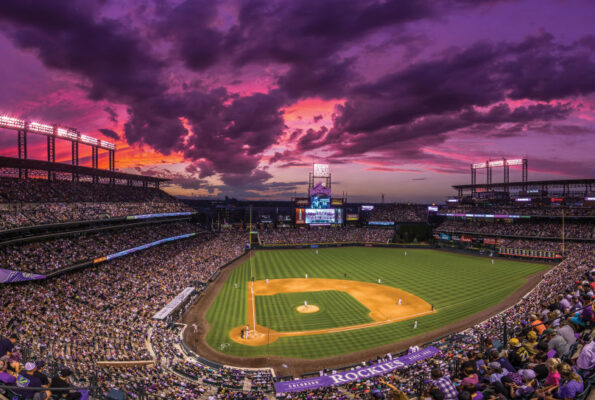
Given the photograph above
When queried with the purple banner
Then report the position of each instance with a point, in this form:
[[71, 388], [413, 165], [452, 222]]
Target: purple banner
[[7, 276], [343, 377]]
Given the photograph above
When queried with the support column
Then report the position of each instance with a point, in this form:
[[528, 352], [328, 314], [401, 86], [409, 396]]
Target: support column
[[525, 174], [51, 156], [506, 176], [473, 180], [22, 145], [112, 160], [95, 161], [94, 157], [489, 173], [112, 163], [75, 160]]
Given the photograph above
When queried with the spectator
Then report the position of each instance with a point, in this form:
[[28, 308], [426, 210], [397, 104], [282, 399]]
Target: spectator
[[7, 344], [571, 384], [444, 383], [62, 380]]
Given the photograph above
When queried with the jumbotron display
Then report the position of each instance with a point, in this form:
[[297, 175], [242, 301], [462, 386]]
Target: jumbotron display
[[316, 216]]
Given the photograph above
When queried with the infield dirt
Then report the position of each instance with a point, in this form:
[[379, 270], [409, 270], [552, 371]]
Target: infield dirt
[[382, 301]]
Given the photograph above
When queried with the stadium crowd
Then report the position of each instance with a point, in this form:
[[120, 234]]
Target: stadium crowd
[[31, 214], [39, 202], [399, 212], [532, 210], [325, 235], [104, 314], [544, 245], [522, 229], [47, 256], [74, 324]]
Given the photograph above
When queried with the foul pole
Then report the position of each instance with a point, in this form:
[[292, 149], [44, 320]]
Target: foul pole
[[252, 275]]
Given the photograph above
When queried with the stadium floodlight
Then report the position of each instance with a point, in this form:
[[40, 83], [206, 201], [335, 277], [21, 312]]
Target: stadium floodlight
[[514, 162], [497, 163], [11, 123], [89, 140], [70, 134], [479, 165], [523, 199], [107, 145], [590, 198], [44, 129]]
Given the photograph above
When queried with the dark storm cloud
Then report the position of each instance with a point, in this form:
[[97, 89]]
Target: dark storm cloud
[[435, 128], [188, 26], [109, 133], [430, 99], [112, 58], [312, 48], [113, 115]]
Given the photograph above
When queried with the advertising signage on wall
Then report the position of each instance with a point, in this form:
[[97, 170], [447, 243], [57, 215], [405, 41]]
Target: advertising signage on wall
[[302, 201], [300, 216]]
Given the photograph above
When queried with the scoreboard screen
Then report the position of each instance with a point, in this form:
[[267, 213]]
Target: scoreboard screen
[[321, 216], [320, 202]]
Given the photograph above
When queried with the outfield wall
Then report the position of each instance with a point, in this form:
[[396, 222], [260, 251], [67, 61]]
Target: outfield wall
[[282, 246]]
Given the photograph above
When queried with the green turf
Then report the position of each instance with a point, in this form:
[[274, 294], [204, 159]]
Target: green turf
[[457, 285], [337, 308]]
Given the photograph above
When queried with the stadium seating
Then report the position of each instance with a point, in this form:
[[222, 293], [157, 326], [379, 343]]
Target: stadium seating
[[104, 313]]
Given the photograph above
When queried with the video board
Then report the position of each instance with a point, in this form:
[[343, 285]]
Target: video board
[[320, 202], [324, 216]]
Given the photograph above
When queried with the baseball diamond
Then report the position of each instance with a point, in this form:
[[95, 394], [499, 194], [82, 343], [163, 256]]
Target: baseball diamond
[[355, 312]]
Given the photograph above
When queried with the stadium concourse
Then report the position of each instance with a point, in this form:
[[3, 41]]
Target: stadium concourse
[[95, 327]]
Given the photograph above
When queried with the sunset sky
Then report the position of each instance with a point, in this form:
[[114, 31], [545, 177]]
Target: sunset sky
[[239, 98]]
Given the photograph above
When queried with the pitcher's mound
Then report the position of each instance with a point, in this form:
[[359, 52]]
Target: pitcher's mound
[[308, 309]]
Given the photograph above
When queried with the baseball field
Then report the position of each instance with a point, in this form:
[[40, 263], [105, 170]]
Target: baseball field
[[314, 304]]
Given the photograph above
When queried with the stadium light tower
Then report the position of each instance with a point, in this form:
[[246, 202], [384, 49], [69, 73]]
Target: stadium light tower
[[52, 132], [505, 164]]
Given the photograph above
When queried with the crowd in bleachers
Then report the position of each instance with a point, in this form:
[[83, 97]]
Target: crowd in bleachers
[[39, 202], [551, 211], [325, 235], [551, 229], [399, 212], [525, 244], [104, 313], [79, 313], [13, 190], [30, 214], [50, 255]]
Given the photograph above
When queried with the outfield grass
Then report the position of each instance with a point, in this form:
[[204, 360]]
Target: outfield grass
[[457, 285], [279, 312]]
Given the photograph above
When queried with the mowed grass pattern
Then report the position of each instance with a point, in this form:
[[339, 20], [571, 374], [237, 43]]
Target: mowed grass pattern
[[457, 285], [337, 308]]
